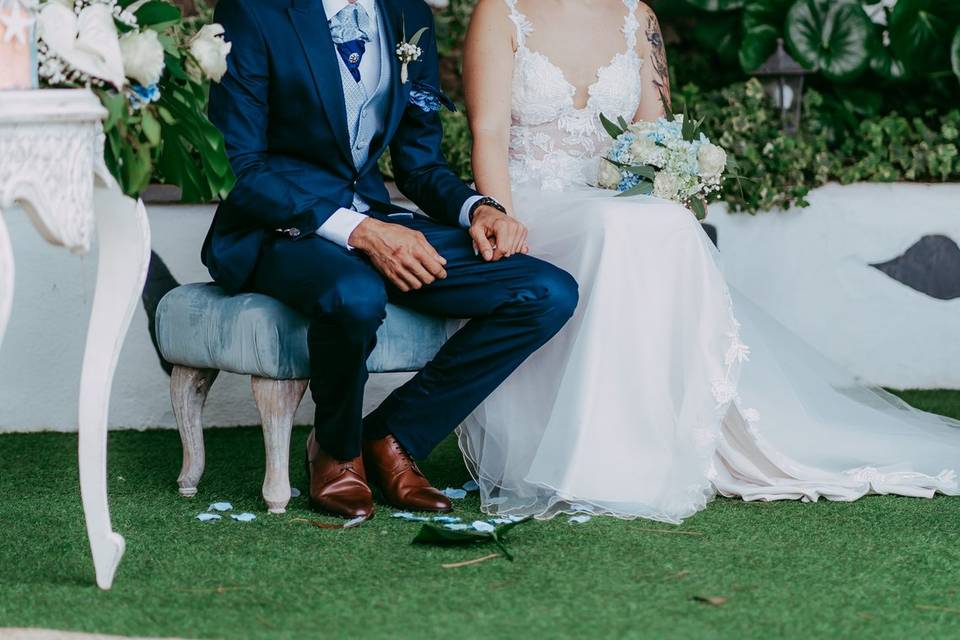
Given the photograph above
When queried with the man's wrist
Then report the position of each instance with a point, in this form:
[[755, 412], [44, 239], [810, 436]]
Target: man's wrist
[[361, 233], [485, 201]]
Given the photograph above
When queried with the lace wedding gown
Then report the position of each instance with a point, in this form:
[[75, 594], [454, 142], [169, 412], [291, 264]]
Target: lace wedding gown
[[650, 402]]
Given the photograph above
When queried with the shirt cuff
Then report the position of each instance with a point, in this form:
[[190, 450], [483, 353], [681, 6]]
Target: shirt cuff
[[465, 211], [340, 225]]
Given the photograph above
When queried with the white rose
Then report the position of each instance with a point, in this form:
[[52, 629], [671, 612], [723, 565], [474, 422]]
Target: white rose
[[666, 185], [645, 151], [712, 160], [609, 175], [210, 50], [142, 56]]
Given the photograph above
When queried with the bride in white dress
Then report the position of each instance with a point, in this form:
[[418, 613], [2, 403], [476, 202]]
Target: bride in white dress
[[650, 401]]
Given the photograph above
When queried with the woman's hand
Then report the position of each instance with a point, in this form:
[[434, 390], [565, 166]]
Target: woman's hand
[[497, 235]]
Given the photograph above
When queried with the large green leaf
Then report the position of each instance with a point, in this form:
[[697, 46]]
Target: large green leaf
[[719, 34], [920, 31], [834, 36], [717, 5], [763, 23], [757, 46], [157, 14], [955, 53]]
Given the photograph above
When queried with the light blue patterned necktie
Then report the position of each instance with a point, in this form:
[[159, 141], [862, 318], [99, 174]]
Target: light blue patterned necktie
[[351, 23]]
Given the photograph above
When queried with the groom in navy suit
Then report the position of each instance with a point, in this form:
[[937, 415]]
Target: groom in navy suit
[[315, 92]]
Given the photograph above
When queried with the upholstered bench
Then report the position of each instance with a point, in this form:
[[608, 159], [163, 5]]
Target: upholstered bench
[[202, 331]]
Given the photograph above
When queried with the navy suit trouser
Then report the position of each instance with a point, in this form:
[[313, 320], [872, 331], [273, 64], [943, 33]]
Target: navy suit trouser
[[515, 305]]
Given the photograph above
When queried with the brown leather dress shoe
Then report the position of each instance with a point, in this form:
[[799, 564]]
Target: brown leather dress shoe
[[337, 486], [403, 484]]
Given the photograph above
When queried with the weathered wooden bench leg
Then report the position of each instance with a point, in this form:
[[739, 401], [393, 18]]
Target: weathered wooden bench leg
[[277, 401], [188, 392]]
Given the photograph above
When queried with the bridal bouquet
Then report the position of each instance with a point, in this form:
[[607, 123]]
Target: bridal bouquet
[[670, 158], [150, 69]]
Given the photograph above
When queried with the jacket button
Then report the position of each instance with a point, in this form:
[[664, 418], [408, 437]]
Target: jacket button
[[293, 232]]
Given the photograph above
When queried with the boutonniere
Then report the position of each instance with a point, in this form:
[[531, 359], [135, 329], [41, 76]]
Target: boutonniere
[[408, 50]]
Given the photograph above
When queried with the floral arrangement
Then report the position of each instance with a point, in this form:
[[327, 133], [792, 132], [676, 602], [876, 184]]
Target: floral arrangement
[[670, 158], [150, 70]]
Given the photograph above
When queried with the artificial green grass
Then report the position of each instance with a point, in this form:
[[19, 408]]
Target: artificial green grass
[[882, 567]]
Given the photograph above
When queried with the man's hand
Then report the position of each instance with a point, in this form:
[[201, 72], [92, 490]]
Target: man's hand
[[496, 235], [402, 255]]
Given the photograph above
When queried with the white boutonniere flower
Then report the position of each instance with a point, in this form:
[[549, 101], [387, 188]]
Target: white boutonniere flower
[[408, 50]]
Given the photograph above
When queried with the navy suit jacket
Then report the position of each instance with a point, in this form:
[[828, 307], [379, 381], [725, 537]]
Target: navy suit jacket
[[281, 110]]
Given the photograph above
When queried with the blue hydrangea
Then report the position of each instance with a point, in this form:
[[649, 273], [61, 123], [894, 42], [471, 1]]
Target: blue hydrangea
[[629, 181], [620, 151], [141, 96]]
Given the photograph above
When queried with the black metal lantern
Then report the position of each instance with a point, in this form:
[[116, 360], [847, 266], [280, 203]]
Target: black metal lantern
[[782, 78]]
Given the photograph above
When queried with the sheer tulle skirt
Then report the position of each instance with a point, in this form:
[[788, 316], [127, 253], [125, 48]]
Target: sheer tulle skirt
[[638, 407]]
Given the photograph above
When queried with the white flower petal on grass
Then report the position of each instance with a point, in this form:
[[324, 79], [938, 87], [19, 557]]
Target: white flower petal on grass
[[480, 525], [471, 485], [454, 494], [446, 519], [355, 522], [404, 515], [579, 519], [246, 516], [294, 492], [456, 526], [207, 517], [220, 506]]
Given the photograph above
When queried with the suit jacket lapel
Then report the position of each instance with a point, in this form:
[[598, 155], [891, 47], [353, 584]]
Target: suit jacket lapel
[[398, 90], [310, 22]]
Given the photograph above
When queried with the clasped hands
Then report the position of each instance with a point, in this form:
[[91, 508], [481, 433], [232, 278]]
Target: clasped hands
[[407, 260]]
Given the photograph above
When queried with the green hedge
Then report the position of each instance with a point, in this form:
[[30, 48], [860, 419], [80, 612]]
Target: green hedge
[[849, 132]]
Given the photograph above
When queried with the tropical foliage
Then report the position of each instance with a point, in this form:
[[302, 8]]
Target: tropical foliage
[[151, 70]]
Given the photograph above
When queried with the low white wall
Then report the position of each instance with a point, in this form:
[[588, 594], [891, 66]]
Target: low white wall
[[808, 268], [41, 353]]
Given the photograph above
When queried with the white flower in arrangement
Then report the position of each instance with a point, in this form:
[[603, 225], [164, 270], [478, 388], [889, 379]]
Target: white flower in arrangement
[[609, 175], [79, 44], [712, 160], [666, 185], [142, 56], [210, 51], [669, 158], [646, 151]]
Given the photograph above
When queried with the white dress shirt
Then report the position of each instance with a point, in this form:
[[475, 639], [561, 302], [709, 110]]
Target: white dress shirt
[[341, 224]]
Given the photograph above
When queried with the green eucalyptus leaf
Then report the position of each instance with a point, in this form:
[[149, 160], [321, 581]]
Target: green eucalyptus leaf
[[642, 189], [699, 207], [415, 38], [646, 171], [834, 36], [610, 127]]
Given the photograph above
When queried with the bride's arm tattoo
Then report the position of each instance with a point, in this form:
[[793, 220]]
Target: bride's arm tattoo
[[658, 58]]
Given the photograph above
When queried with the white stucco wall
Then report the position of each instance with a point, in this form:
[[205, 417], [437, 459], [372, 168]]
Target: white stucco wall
[[808, 268]]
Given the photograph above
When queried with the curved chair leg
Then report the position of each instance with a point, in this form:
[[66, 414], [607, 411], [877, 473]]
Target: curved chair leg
[[188, 392], [277, 401]]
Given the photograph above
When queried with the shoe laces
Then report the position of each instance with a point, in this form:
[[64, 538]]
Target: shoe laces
[[407, 458]]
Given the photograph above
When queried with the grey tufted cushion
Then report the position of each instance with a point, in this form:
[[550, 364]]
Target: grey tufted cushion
[[199, 325]]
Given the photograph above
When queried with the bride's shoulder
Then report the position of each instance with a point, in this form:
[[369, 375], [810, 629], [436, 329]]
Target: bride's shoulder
[[492, 14]]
